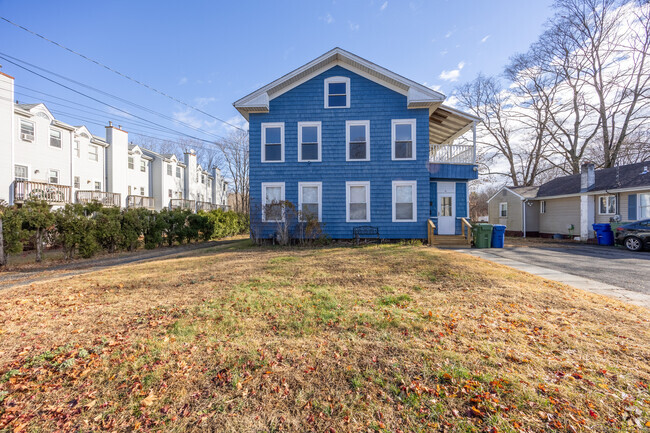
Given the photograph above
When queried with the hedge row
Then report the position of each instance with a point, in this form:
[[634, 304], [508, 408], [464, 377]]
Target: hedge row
[[85, 230]]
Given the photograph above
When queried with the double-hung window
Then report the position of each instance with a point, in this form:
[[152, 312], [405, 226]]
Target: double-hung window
[[542, 206], [21, 172], [503, 209], [130, 163], [357, 198], [143, 166], [26, 130], [337, 92], [169, 169], [310, 200], [93, 153], [142, 191], [644, 206], [77, 182], [405, 201], [272, 142], [178, 172], [98, 186], [77, 148], [273, 201], [309, 141], [357, 140], [55, 138], [53, 176], [403, 139], [607, 204]]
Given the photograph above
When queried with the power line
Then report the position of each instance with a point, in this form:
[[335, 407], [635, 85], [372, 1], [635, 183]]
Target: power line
[[119, 73], [101, 102]]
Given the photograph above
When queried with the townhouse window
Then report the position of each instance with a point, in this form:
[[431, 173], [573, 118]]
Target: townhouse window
[[55, 138], [607, 204], [26, 130], [337, 92], [644, 206], [542, 206], [357, 198], [77, 182], [357, 140], [310, 200], [21, 172], [77, 148], [273, 201], [98, 186], [178, 172], [309, 141], [503, 210], [141, 190], [93, 153], [53, 176], [169, 169], [405, 201], [129, 189], [143, 166], [403, 139], [131, 166], [169, 193], [272, 142], [203, 179]]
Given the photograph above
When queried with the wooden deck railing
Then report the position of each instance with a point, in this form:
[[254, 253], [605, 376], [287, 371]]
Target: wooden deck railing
[[108, 199], [137, 201], [466, 226], [50, 192], [206, 206], [181, 203], [452, 154], [431, 229]]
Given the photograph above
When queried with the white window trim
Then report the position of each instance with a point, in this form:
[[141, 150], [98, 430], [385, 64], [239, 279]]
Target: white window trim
[[319, 185], [58, 176], [77, 149], [20, 130], [320, 141], [345, 80], [76, 185], [273, 125], [347, 201], [93, 156], [413, 123], [606, 213], [638, 205], [414, 197], [143, 166], [349, 123], [131, 162], [95, 186], [506, 207], [542, 206], [49, 139], [29, 170], [170, 170], [271, 185]]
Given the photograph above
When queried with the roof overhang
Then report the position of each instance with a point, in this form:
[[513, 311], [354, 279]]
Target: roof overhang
[[447, 124], [418, 95], [506, 188], [599, 192]]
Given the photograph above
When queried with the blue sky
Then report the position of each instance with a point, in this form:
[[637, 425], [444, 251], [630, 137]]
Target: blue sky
[[210, 54]]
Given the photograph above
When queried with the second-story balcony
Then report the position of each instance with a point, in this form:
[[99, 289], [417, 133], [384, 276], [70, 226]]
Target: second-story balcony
[[140, 201], [52, 193], [106, 199], [452, 154], [206, 206], [181, 203], [447, 124]]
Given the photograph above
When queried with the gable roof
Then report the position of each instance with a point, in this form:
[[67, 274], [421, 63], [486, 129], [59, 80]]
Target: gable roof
[[418, 95], [621, 177], [523, 192]]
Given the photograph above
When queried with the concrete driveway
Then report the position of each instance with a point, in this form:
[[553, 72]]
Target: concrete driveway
[[609, 267]]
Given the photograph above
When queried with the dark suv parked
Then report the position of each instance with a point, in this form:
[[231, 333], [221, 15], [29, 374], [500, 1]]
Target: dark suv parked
[[634, 236]]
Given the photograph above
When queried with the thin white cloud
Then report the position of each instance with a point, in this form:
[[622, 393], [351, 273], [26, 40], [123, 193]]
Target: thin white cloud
[[354, 27], [328, 18], [448, 34], [444, 52], [203, 101], [182, 81], [485, 39], [453, 74], [383, 6]]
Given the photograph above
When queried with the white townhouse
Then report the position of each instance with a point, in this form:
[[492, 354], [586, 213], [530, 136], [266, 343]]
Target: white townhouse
[[42, 157]]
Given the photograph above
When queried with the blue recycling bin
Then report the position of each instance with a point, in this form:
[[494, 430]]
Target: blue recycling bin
[[498, 235], [604, 234]]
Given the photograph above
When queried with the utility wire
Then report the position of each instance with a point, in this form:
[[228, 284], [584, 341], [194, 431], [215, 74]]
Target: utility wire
[[119, 73]]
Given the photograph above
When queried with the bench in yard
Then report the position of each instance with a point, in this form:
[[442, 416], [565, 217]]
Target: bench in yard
[[365, 232]]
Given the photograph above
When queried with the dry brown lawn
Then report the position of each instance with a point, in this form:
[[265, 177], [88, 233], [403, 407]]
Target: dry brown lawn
[[391, 338]]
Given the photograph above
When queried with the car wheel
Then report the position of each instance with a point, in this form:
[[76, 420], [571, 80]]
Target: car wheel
[[633, 243]]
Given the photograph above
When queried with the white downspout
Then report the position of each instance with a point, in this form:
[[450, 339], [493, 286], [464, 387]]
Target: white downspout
[[474, 141], [523, 212]]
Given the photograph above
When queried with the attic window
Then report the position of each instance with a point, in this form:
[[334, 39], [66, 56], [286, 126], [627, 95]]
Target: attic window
[[337, 92]]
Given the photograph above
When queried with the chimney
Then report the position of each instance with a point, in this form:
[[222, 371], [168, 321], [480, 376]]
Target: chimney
[[587, 176]]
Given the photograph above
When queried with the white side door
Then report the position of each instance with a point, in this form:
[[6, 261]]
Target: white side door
[[446, 208]]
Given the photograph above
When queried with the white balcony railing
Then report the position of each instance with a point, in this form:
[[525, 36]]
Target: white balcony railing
[[452, 154]]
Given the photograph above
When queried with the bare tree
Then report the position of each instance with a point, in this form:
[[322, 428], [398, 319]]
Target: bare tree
[[234, 151]]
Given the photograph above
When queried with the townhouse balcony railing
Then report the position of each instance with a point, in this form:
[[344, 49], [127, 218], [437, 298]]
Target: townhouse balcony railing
[[452, 154], [207, 206], [50, 192], [140, 201], [107, 199], [182, 203]]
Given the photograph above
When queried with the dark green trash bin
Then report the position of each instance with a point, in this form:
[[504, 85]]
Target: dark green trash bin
[[482, 234]]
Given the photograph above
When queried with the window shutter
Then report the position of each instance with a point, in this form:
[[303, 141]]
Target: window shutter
[[631, 207]]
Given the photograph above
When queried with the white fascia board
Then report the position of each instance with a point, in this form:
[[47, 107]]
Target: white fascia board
[[506, 188], [599, 192], [60, 124]]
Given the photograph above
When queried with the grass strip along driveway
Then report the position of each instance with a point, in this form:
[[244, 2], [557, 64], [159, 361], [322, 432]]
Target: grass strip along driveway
[[390, 338]]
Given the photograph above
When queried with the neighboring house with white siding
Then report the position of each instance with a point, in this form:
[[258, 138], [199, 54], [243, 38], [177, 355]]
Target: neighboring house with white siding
[[44, 158], [570, 205]]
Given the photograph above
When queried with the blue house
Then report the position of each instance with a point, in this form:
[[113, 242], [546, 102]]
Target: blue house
[[358, 145]]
